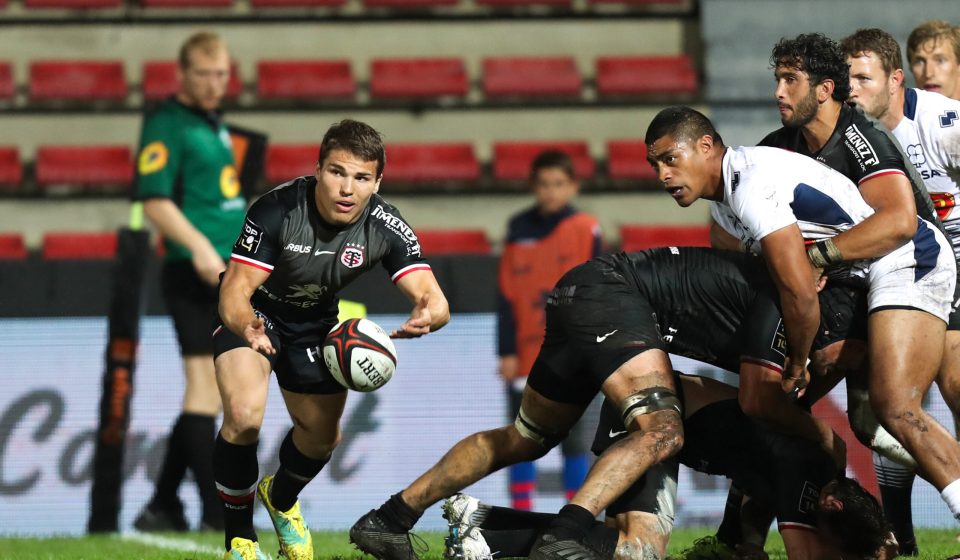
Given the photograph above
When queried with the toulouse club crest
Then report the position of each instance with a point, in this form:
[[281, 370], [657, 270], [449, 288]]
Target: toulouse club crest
[[352, 255]]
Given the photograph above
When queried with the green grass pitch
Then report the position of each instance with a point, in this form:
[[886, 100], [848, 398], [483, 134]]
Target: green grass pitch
[[935, 544]]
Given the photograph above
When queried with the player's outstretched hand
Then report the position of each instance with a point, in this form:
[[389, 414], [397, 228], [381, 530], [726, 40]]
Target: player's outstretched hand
[[795, 380], [419, 322], [255, 333]]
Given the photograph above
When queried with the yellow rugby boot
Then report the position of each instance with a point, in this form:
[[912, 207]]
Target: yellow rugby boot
[[296, 543], [244, 549]]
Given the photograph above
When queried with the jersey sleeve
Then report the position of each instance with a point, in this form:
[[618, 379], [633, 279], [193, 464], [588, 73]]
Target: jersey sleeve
[[877, 155], [259, 244], [158, 161], [403, 254]]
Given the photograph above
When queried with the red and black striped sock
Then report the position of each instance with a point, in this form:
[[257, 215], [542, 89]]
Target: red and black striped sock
[[236, 471]]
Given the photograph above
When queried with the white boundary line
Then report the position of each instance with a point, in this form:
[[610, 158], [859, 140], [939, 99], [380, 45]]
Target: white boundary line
[[171, 543]]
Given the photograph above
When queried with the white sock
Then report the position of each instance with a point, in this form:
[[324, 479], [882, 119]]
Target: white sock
[[951, 495]]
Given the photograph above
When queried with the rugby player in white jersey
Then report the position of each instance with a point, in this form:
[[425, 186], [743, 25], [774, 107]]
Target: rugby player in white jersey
[[773, 200]]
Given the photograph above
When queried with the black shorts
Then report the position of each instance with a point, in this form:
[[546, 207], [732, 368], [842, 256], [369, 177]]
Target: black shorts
[[192, 303], [298, 362], [843, 315], [596, 322], [953, 322], [785, 471]]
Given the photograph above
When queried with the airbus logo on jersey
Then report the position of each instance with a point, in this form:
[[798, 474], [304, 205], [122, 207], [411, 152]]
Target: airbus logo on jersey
[[353, 255], [859, 144], [297, 248]]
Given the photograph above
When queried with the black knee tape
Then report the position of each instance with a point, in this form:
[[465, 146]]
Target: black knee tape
[[535, 433]]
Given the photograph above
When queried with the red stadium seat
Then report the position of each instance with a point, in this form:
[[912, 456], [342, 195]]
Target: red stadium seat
[[678, 3], [7, 86], [645, 75], [519, 3], [287, 161], [431, 162], [410, 4], [418, 77], [12, 246], [305, 79], [627, 161], [186, 3], [11, 170], [73, 4], [160, 80], [511, 160], [453, 242], [87, 166], [531, 77], [639, 237], [79, 245], [61, 80], [297, 3]]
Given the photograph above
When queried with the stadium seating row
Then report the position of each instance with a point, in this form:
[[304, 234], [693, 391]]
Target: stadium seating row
[[103, 245], [114, 4], [110, 168], [391, 79]]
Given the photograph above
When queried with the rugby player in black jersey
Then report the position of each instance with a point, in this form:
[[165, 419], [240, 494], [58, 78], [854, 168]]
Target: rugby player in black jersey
[[300, 244], [610, 320]]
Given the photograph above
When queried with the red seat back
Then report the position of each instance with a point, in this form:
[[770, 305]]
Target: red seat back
[[186, 3], [73, 4], [531, 76], [7, 86], [160, 80], [12, 246], [89, 166], [627, 160], [453, 242], [639, 237], [79, 245], [400, 4], [645, 75], [296, 3], [419, 77], [431, 162], [11, 170], [511, 160], [304, 79], [60, 80], [287, 161]]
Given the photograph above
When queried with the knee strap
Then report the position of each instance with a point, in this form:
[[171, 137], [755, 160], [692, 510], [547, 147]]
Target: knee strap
[[648, 401], [534, 432]]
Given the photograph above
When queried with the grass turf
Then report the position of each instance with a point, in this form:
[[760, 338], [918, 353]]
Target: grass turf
[[935, 544]]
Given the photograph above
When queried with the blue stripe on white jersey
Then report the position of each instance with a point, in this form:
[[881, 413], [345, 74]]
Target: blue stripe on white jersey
[[817, 207], [925, 249]]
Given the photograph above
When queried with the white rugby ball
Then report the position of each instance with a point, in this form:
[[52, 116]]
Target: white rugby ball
[[360, 355]]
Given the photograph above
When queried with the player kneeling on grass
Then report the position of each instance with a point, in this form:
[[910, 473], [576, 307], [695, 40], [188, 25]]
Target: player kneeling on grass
[[301, 243], [820, 517], [610, 324]]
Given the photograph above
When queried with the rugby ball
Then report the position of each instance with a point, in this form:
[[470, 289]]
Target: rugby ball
[[360, 355]]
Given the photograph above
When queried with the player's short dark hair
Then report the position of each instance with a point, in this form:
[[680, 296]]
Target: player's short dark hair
[[206, 42], [552, 159], [859, 527], [877, 41], [817, 55], [681, 123], [933, 30], [358, 138]]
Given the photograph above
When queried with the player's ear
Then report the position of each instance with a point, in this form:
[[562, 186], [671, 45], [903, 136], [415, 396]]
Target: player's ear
[[705, 143], [376, 186], [896, 79], [825, 90], [831, 503]]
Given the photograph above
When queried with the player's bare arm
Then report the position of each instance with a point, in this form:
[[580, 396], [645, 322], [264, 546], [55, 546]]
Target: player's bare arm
[[893, 224], [794, 276], [239, 283], [173, 225], [430, 308], [721, 238]]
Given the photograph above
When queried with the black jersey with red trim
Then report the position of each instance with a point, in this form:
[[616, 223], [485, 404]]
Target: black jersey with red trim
[[309, 260], [718, 307], [859, 150]]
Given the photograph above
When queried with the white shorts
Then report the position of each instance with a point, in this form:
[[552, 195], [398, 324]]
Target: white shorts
[[919, 275]]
